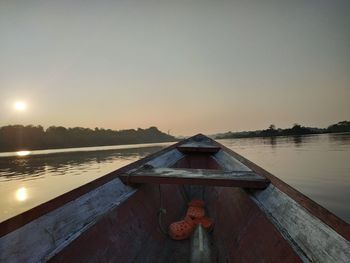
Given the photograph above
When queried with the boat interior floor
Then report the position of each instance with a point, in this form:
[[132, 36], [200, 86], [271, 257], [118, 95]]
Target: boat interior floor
[[241, 231]]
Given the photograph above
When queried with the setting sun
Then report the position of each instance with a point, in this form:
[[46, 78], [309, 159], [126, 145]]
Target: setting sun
[[20, 106]]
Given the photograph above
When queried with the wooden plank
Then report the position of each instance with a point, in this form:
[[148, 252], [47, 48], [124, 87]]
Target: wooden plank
[[40, 239], [167, 159], [244, 179], [198, 147], [311, 238], [229, 163], [200, 246]]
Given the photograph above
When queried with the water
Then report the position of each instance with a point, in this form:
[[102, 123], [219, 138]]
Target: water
[[29, 179], [316, 165]]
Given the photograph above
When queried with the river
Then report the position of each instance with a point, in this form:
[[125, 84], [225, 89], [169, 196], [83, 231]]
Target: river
[[316, 165]]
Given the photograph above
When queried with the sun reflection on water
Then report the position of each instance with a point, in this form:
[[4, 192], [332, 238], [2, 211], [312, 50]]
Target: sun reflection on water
[[22, 153], [21, 194]]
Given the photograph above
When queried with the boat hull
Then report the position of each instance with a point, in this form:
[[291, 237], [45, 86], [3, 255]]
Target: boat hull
[[114, 220], [241, 233]]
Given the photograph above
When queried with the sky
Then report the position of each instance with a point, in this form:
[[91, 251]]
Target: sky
[[185, 66]]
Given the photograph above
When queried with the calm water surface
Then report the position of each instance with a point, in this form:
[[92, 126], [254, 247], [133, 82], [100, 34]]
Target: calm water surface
[[316, 165], [29, 179]]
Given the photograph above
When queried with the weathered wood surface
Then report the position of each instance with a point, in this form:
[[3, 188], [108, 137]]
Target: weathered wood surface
[[131, 232], [198, 147], [200, 246], [242, 233], [229, 163], [244, 179], [42, 238], [311, 238], [327, 217], [167, 159]]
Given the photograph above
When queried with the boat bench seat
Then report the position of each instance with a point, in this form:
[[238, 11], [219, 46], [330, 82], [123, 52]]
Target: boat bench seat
[[243, 179]]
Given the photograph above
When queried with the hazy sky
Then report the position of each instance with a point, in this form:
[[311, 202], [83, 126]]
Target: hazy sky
[[186, 66]]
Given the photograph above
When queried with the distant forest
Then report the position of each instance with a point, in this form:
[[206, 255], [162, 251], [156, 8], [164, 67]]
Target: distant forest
[[343, 126], [19, 137]]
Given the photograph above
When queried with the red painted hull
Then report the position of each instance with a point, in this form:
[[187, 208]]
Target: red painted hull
[[131, 233]]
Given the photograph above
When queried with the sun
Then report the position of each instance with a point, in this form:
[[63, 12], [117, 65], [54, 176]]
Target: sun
[[20, 106]]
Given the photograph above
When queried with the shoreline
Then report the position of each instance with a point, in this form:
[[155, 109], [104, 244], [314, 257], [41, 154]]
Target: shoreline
[[37, 152], [278, 135]]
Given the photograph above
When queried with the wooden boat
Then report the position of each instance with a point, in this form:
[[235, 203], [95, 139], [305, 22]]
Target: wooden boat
[[120, 216]]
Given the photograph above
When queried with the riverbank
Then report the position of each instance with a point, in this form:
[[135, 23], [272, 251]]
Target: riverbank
[[27, 138], [296, 130]]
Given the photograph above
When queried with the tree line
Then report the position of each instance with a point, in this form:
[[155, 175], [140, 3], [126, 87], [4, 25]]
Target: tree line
[[20, 137], [296, 129]]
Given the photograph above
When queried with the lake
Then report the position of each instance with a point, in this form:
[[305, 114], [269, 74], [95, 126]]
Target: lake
[[316, 165]]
